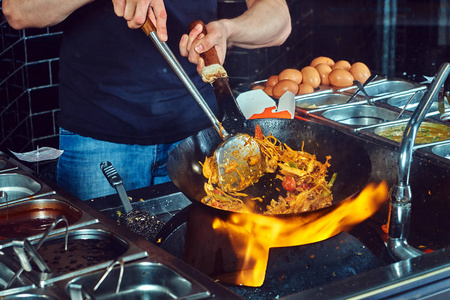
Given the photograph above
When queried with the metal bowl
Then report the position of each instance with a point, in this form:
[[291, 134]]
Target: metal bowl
[[321, 100], [86, 247], [33, 217], [18, 186], [360, 115], [143, 280], [442, 150], [401, 100], [386, 87], [428, 132]]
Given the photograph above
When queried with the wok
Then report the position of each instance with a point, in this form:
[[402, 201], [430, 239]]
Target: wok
[[349, 159]]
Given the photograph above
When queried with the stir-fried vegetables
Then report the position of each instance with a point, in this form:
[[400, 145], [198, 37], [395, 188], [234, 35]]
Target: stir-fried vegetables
[[303, 178]]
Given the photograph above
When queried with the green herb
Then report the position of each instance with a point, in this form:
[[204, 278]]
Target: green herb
[[293, 165]]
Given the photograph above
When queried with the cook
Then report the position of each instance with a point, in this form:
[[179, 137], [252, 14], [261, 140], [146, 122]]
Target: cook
[[119, 99]]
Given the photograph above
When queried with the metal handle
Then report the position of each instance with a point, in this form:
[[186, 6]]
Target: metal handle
[[78, 292], [41, 241], [150, 30], [22, 248]]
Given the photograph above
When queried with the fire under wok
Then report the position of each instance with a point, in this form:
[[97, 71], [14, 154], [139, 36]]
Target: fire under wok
[[349, 159]]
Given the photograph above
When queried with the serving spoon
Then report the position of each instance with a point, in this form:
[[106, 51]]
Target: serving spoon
[[238, 157]]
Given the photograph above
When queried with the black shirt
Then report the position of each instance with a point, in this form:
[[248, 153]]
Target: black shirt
[[116, 86]]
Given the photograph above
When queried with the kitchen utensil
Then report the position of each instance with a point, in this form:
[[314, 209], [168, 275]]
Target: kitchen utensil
[[237, 150], [349, 159], [406, 105], [361, 87], [116, 182], [138, 221]]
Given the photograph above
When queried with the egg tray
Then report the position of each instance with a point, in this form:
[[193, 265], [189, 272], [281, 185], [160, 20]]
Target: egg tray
[[91, 223]]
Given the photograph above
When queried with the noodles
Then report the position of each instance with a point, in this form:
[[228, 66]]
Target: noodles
[[302, 177]]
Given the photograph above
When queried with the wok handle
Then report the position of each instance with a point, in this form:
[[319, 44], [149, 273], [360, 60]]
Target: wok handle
[[210, 57], [230, 112]]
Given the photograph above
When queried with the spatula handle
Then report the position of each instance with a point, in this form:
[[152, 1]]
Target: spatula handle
[[148, 27]]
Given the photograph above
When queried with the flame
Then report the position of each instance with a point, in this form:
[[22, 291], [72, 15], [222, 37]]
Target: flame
[[252, 235]]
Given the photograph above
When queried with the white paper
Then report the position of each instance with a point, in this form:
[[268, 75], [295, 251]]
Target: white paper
[[256, 101], [40, 154], [287, 103]]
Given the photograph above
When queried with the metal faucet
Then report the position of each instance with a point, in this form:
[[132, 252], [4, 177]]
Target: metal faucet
[[400, 195]]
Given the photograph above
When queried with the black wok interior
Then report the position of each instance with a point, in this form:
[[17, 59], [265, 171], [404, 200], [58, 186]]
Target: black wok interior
[[349, 159]]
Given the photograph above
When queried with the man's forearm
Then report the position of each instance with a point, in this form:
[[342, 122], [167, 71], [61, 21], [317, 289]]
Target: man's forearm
[[39, 13], [266, 23]]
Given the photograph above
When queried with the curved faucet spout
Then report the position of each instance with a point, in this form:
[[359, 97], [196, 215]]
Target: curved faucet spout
[[407, 145], [400, 206]]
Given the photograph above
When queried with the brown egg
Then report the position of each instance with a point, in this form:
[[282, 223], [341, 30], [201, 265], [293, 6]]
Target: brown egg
[[272, 80], [360, 71], [322, 60], [324, 70], [258, 87], [283, 86], [268, 90], [340, 78], [311, 76], [305, 88], [291, 74], [342, 64]]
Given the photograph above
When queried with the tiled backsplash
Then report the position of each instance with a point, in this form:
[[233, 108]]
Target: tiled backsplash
[[28, 87]]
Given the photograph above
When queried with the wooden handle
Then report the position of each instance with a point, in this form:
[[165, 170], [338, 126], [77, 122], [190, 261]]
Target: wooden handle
[[148, 27], [210, 57]]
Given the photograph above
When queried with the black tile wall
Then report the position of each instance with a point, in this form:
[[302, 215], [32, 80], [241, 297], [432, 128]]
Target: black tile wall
[[42, 124], [42, 47], [44, 99], [28, 87]]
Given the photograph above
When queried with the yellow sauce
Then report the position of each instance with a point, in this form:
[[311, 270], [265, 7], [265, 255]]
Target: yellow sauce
[[427, 133]]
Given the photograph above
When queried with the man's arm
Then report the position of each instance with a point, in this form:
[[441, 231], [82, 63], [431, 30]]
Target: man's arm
[[265, 23], [22, 14]]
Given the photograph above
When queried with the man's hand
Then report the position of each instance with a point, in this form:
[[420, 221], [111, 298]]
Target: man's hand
[[137, 11], [193, 44]]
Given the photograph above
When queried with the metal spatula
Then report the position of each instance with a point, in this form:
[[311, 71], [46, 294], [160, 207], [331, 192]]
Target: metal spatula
[[138, 221], [238, 157]]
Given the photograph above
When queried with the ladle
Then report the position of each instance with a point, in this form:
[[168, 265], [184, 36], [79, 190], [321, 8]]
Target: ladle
[[238, 158]]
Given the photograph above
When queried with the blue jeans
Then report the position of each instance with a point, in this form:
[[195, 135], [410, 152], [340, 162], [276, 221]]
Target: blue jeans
[[78, 170]]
